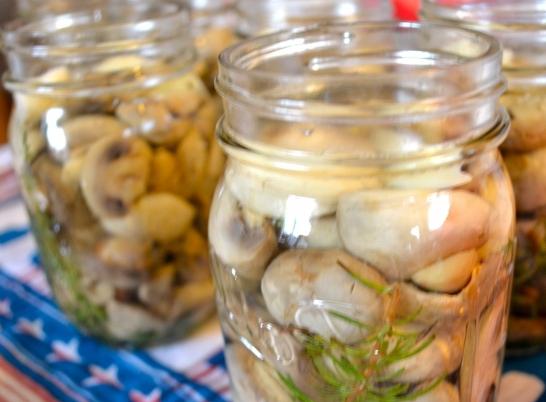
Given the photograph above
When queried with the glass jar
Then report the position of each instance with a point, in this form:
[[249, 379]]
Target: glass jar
[[362, 235], [266, 16], [112, 135], [519, 25], [214, 24]]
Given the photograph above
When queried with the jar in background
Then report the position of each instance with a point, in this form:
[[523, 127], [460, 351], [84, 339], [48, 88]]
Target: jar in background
[[265, 16], [519, 25], [214, 23], [113, 141], [362, 237]]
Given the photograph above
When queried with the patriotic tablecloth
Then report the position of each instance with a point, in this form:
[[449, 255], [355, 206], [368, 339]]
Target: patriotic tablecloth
[[43, 358]]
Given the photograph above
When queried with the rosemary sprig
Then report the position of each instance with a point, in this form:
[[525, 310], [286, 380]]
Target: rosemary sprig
[[361, 372]]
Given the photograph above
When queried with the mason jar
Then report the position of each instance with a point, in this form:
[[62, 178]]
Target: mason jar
[[265, 16], [362, 236], [112, 135], [520, 27], [214, 25]]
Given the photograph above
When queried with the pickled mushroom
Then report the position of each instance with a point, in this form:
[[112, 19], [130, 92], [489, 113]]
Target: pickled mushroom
[[128, 255], [252, 379], [114, 174], [527, 129], [400, 232], [449, 275], [529, 179], [273, 192], [81, 131], [440, 357], [323, 234], [443, 392], [244, 241], [129, 321], [304, 287], [162, 217]]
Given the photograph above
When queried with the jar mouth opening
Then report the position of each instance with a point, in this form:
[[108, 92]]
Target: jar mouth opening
[[96, 28], [436, 155], [325, 55]]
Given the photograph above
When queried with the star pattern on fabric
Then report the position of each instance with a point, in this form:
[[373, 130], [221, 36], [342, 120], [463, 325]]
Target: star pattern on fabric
[[5, 308], [103, 376], [137, 396], [31, 328], [64, 351]]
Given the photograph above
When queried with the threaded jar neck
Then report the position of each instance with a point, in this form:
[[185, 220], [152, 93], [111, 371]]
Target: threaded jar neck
[[151, 31]]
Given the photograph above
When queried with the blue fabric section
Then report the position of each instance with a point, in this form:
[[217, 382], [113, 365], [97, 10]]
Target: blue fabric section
[[12, 234], [218, 360], [135, 371]]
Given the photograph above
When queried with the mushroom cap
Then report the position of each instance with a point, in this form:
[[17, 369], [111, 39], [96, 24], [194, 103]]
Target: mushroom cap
[[161, 217], [303, 287], [244, 241], [278, 193], [400, 232], [115, 173]]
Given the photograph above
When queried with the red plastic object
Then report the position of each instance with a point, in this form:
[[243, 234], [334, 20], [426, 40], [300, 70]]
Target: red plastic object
[[407, 10]]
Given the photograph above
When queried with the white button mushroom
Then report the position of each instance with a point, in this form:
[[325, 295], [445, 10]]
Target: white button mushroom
[[400, 232], [449, 275], [84, 130], [126, 321], [252, 379], [192, 155], [443, 392], [32, 107], [242, 240], [323, 233], [278, 193], [308, 288], [115, 173], [529, 178], [441, 357], [162, 217], [528, 129]]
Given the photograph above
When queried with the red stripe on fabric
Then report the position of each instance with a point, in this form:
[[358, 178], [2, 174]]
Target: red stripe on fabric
[[204, 373], [26, 382], [224, 390], [5, 173]]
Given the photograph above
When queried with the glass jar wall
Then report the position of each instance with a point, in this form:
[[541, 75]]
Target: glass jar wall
[[266, 16], [214, 24], [519, 25], [113, 140], [362, 236]]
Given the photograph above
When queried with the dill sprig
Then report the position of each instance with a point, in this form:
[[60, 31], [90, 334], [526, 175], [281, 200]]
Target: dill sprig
[[361, 372]]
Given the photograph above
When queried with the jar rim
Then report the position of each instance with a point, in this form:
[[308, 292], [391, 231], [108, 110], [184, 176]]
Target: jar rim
[[239, 69], [98, 30]]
